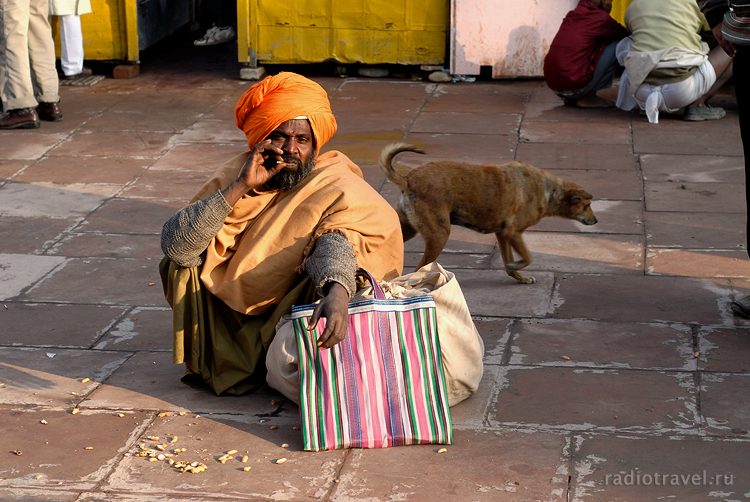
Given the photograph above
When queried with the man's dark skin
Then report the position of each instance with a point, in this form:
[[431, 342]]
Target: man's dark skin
[[293, 137]]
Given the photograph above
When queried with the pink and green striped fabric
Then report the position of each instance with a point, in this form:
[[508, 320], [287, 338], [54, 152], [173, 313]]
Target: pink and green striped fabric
[[383, 385]]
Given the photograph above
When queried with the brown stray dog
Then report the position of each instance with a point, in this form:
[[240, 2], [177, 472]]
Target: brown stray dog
[[504, 200]]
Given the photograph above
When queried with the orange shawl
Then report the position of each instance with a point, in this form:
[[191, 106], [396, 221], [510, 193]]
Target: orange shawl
[[258, 255]]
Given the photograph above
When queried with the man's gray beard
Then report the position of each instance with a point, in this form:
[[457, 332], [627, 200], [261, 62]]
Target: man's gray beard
[[286, 179]]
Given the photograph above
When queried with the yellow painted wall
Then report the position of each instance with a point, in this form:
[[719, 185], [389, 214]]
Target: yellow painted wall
[[618, 10], [110, 31], [348, 31]]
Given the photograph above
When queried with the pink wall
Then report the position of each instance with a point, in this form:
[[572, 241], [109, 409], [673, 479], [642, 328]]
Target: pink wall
[[512, 36]]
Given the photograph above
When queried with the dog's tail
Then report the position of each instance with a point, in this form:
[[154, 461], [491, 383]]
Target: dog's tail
[[386, 159]]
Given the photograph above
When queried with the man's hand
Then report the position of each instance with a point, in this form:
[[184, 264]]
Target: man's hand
[[335, 308], [725, 44], [254, 173]]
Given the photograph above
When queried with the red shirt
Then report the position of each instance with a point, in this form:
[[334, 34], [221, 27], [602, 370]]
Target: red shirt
[[575, 50]]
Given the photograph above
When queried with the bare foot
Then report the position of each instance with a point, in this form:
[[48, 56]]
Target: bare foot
[[594, 101]]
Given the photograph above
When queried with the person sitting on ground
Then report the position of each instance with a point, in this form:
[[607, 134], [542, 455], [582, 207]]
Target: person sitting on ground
[[276, 226], [581, 59], [667, 67]]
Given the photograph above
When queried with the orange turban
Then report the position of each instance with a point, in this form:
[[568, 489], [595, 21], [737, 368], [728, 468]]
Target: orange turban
[[276, 99]]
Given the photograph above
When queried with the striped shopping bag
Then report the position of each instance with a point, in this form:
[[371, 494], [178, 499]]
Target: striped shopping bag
[[383, 385]]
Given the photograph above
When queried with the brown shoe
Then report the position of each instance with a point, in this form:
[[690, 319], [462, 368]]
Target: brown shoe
[[49, 111], [25, 118]]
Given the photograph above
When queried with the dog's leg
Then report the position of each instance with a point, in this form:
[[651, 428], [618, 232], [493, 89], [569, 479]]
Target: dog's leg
[[512, 267], [435, 235], [407, 230]]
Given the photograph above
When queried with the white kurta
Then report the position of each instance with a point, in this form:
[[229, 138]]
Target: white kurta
[[68, 7]]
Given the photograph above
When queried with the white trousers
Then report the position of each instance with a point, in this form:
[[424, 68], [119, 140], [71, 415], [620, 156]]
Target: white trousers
[[27, 55], [71, 44]]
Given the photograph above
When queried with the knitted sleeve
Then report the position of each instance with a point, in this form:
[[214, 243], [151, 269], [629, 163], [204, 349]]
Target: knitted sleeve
[[332, 260], [186, 235]]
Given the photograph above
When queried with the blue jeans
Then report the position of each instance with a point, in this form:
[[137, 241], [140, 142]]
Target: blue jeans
[[604, 74]]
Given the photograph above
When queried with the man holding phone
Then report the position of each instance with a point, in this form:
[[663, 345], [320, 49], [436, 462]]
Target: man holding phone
[[276, 226]]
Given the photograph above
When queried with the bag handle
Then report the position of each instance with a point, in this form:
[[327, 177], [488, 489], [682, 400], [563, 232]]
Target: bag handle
[[379, 294]]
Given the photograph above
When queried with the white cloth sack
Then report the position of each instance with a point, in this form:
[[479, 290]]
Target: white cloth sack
[[461, 347]]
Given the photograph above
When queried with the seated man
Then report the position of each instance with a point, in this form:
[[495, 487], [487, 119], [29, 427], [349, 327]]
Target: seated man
[[667, 67], [581, 59], [275, 226]]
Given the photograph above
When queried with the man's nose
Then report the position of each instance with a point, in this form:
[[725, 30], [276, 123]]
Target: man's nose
[[290, 146]]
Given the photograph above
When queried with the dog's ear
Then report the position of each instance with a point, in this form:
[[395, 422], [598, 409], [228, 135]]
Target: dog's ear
[[580, 194]]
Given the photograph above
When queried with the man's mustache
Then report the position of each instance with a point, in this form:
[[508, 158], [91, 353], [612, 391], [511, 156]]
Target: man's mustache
[[290, 158]]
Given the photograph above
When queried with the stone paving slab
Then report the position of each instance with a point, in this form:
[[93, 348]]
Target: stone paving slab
[[540, 398], [695, 230], [469, 148], [31, 235], [129, 216], [9, 168], [149, 380], [556, 111], [476, 103], [146, 121], [19, 271], [56, 325], [27, 146], [494, 293], [724, 350], [144, 328], [126, 281], [585, 156], [723, 412], [53, 377], [694, 197], [698, 263], [656, 141], [575, 132], [626, 298], [56, 452], [22, 199], [168, 185], [304, 476], [112, 246], [212, 132], [602, 464], [145, 145], [583, 254], [472, 469], [68, 170], [592, 344], [467, 123], [692, 168], [199, 157]]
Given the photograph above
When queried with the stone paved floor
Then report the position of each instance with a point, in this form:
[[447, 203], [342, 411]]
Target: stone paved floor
[[658, 377]]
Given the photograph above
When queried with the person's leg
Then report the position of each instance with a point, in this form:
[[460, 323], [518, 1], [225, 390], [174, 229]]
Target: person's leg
[[722, 65], [16, 90], [71, 45], [42, 52], [602, 79], [742, 90]]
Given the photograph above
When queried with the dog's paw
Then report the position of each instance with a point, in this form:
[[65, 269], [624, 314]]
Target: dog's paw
[[526, 279]]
